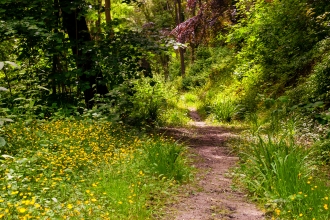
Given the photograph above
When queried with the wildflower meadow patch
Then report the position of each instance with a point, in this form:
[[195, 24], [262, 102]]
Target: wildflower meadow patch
[[82, 170]]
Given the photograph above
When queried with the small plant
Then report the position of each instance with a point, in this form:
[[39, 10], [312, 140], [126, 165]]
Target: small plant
[[165, 159], [190, 98], [224, 110], [174, 117]]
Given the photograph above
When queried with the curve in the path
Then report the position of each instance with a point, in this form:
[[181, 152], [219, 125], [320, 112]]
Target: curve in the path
[[213, 197]]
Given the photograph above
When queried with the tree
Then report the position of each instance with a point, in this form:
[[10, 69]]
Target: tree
[[209, 19], [75, 24], [107, 11], [180, 19]]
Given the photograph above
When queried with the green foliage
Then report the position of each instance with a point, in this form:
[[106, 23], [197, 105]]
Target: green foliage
[[190, 99], [281, 174], [276, 42], [166, 160], [198, 71], [203, 53], [176, 110], [223, 109], [174, 116], [142, 107], [147, 101], [213, 64], [323, 150], [322, 70], [193, 81], [70, 69]]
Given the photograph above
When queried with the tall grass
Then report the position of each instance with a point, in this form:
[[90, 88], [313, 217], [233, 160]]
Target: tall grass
[[224, 109], [282, 174], [166, 160]]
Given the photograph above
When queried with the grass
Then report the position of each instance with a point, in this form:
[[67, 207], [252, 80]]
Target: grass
[[86, 170], [175, 116], [224, 110], [282, 175]]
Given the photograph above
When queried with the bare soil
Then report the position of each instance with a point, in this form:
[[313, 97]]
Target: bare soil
[[212, 197]]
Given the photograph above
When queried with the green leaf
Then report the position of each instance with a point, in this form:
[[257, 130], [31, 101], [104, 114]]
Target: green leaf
[[41, 87], [6, 119], [2, 142], [17, 99], [12, 64]]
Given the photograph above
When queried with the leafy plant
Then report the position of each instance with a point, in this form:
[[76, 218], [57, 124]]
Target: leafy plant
[[223, 109], [166, 160]]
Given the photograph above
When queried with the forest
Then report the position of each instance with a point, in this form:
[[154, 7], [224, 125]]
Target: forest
[[92, 90]]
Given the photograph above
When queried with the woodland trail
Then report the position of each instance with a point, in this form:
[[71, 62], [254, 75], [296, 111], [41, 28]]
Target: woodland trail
[[212, 198]]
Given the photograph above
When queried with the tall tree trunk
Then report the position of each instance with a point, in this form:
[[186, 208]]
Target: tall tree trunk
[[107, 11], [177, 21], [98, 22], [165, 59], [183, 66], [75, 24], [55, 56], [180, 11], [54, 71], [180, 19]]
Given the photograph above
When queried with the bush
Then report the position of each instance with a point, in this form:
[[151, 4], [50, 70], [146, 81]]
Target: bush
[[322, 78], [137, 102]]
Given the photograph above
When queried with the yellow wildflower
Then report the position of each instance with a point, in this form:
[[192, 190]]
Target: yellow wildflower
[[22, 210], [277, 211]]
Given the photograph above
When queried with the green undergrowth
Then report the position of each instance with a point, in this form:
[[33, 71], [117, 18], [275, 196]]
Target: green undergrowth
[[70, 169], [281, 172], [174, 112]]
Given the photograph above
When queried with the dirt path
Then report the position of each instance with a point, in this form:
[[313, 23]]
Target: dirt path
[[212, 197]]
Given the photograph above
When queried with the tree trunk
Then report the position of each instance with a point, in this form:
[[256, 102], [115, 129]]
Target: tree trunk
[[177, 21], [98, 22], [107, 11], [55, 56], [180, 12], [183, 66], [165, 59], [75, 24], [180, 19]]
